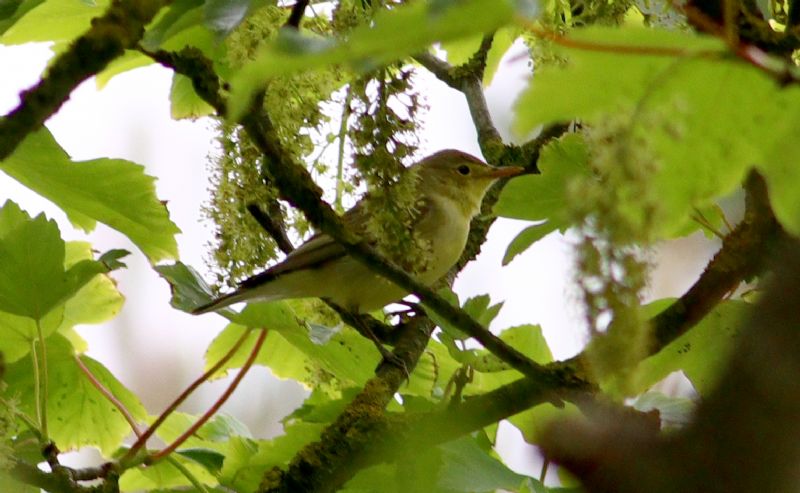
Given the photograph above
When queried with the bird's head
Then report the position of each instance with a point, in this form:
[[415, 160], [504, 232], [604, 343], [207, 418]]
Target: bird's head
[[460, 177]]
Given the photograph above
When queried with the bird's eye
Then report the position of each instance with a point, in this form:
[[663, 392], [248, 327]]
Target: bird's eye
[[463, 169]]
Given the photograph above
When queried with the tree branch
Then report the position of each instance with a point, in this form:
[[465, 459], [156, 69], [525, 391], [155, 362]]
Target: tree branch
[[273, 227], [298, 10], [53, 482], [745, 435], [559, 378], [743, 254], [325, 465], [469, 82], [121, 27]]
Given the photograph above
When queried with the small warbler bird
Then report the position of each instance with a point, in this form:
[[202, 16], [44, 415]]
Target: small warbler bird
[[450, 185]]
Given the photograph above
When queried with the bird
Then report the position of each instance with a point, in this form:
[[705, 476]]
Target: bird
[[450, 186]]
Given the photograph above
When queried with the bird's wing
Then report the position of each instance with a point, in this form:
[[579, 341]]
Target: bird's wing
[[319, 249]]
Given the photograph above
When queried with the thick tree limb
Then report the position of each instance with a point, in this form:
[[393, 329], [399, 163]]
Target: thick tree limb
[[324, 466], [746, 435], [120, 28], [743, 254]]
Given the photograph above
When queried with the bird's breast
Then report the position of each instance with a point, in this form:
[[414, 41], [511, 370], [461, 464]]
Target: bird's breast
[[444, 230]]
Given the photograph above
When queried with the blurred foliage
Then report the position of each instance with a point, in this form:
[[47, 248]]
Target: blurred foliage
[[665, 124]]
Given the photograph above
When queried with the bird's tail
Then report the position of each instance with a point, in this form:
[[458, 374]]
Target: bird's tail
[[222, 302]]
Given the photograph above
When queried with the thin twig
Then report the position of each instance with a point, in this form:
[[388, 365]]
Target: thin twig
[[272, 227], [119, 28], [471, 85], [215, 407], [142, 440], [108, 395], [342, 139], [199, 486]]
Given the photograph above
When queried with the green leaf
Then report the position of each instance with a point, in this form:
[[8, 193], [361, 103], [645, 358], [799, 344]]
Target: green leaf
[[705, 115], [392, 34], [128, 61], [540, 197], [79, 415], [526, 238], [222, 16], [467, 467], [95, 302], [701, 353], [32, 277], [11, 217], [113, 191], [494, 372], [503, 39], [54, 20], [246, 460], [782, 176], [11, 485], [183, 24], [211, 460], [477, 307], [184, 101], [164, 475], [459, 51], [17, 333], [178, 16], [382, 477], [290, 352], [33, 280], [320, 407], [595, 81], [14, 10], [189, 290], [218, 429], [674, 412]]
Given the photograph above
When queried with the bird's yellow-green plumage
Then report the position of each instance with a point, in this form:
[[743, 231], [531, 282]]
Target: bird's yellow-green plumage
[[450, 185]]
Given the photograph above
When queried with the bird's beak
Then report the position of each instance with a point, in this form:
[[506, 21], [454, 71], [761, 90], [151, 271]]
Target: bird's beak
[[505, 171]]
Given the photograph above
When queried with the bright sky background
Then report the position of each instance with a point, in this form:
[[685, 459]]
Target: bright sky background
[[156, 350]]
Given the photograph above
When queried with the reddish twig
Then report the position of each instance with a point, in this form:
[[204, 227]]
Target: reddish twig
[[213, 409], [748, 53], [142, 440], [108, 395]]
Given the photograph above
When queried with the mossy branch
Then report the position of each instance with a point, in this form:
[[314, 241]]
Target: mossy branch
[[325, 465], [120, 28], [743, 255], [60, 481], [468, 80], [750, 418]]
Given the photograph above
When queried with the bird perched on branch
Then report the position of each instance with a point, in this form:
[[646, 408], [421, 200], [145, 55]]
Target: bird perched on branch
[[450, 186]]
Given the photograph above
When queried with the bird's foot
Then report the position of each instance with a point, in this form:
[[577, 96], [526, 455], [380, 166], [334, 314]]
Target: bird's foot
[[410, 310], [390, 358]]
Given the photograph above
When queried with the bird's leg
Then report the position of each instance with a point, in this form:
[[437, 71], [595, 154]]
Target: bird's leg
[[411, 308], [364, 324], [387, 356], [369, 327]]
